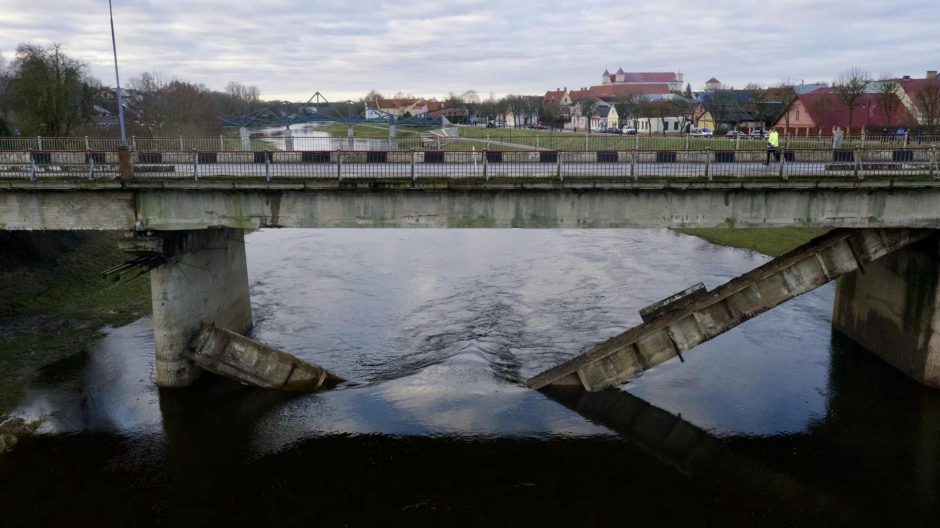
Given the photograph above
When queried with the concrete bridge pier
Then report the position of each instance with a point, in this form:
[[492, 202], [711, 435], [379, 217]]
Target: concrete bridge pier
[[892, 308], [205, 277]]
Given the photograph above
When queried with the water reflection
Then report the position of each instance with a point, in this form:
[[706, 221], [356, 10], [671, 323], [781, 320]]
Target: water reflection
[[307, 137], [436, 329]]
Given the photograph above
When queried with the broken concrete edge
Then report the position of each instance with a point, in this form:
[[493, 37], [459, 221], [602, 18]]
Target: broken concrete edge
[[569, 373], [235, 356], [672, 302]]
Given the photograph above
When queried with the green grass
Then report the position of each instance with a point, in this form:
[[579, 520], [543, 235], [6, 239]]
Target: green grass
[[55, 301], [773, 242]]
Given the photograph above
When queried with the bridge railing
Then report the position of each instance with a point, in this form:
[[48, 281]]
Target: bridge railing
[[522, 141], [474, 164]]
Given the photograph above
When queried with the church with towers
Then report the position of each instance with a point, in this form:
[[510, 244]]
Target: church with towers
[[674, 80]]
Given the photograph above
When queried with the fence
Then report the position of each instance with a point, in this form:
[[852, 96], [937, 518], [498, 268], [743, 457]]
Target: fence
[[485, 165], [498, 141]]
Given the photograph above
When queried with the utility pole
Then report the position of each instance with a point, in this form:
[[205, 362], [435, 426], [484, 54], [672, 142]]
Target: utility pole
[[117, 79]]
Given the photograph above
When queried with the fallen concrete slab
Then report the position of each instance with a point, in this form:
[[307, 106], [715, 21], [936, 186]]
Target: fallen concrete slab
[[235, 356]]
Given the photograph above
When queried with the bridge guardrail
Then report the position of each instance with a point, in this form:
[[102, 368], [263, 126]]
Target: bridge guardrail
[[442, 164], [522, 142]]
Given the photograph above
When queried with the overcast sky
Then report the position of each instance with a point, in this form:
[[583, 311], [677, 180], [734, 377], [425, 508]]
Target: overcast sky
[[291, 49]]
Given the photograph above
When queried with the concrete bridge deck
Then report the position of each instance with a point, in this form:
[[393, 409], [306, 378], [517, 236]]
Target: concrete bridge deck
[[531, 189]]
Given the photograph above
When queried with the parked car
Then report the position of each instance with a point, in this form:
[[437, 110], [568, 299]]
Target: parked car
[[630, 131], [701, 132], [760, 134], [734, 134], [613, 130]]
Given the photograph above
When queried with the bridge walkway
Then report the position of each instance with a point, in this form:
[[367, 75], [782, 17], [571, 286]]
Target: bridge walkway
[[695, 319]]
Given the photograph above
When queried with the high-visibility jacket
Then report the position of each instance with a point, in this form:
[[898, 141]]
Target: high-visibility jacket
[[774, 139]]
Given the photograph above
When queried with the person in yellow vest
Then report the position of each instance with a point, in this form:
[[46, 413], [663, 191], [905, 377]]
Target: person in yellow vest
[[773, 146]]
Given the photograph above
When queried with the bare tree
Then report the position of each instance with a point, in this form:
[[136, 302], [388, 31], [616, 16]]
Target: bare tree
[[928, 102], [850, 86], [720, 103], [785, 93], [627, 106], [821, 106], [887, 96], [587, 110]]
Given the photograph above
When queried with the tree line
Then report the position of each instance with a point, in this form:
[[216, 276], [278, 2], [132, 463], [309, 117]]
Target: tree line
[[45, 92]]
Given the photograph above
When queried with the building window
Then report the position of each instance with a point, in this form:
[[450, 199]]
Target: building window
[[797, 115]]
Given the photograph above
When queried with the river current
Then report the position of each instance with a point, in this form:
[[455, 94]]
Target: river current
[[437, 331]]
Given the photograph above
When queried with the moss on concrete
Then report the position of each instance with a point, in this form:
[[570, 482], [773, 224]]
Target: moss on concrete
[[55, 302], [773, 242]]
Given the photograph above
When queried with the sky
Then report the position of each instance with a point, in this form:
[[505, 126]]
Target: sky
[[291, 49]]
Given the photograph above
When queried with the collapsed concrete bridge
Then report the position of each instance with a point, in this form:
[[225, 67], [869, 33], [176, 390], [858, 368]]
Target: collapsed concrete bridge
[[885, 254]]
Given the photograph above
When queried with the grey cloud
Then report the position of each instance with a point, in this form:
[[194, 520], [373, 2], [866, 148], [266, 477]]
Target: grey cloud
[[292, 48]]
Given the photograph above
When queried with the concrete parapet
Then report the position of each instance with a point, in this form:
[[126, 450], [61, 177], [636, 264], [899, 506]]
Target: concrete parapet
[[236, 157], [398, 157], [893, 309], [578, 157], [205, 277], [528, 156]]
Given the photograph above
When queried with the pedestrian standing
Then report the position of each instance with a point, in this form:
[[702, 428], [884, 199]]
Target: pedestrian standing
[[773, 146], [837, 137]]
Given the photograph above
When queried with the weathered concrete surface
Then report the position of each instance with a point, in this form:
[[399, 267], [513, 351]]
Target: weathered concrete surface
[[235, 356], [205, 278], [198, 205], [67, 210], [825, 258], [893, 310]]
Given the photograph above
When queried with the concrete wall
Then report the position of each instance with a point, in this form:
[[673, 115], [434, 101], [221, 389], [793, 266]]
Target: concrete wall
[[205, 278], [527, 203], [892, 310]]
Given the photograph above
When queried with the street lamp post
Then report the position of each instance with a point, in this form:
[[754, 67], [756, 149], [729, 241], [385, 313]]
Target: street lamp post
[[117, 79]]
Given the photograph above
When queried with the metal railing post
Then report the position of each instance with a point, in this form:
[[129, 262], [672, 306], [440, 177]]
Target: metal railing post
[[181, 143], [32, 165], [858, 164], [414, 156], [134, 142], [39, 142], [783, 162], [221, 143], [686, 141], [737, 142], [633, 174], [339, 164], [932, 171], [267, 165], [558, 163], [905, 139], [91, 162], [86, 144], [537, 147], [708, 163], [486, 162]]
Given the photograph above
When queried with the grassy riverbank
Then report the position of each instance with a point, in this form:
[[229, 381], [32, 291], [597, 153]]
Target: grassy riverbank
[[773, 242], [54, 302]]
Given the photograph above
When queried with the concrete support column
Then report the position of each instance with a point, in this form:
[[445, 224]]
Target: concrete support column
[[893, 309], [205, 278]]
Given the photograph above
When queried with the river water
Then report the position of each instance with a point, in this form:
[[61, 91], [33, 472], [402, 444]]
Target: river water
[[437, 331]]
